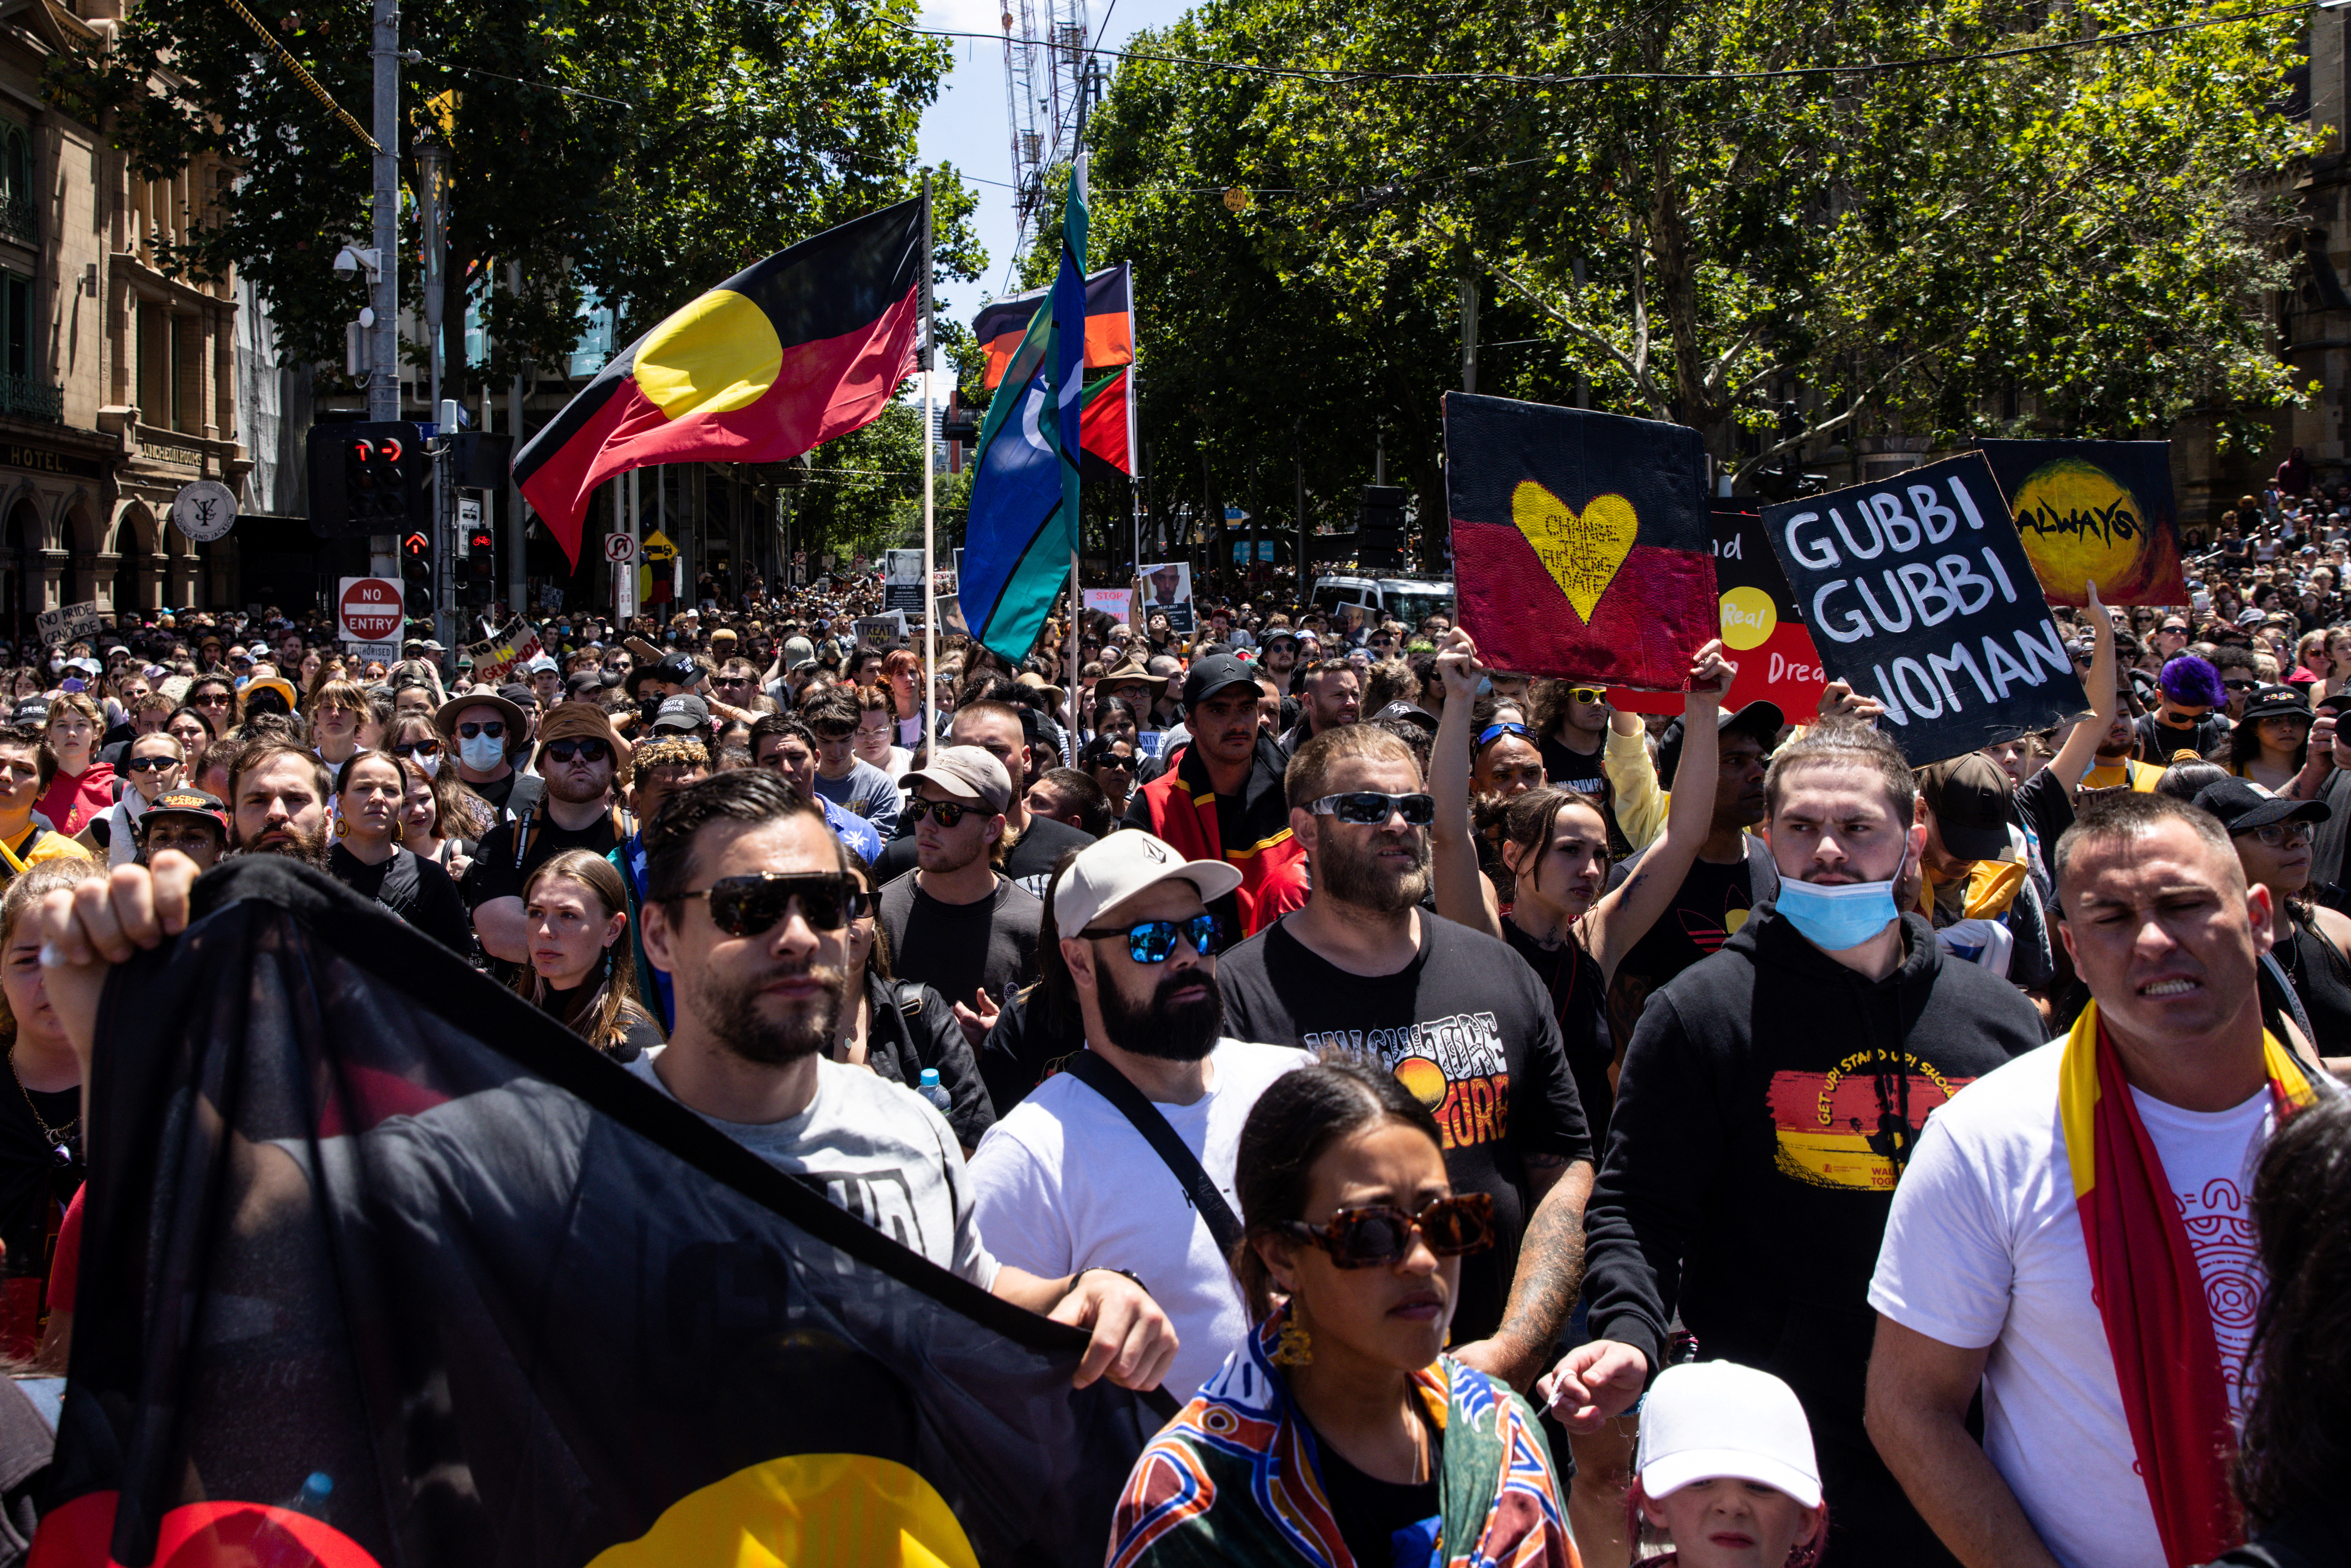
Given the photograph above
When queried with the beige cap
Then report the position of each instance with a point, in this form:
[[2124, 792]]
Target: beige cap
[[1112, 870], [968, 773]]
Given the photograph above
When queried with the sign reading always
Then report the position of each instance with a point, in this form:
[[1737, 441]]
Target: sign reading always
[[67, 623], [203, 511], [1917, 592], [2094, 510], [370, 609]]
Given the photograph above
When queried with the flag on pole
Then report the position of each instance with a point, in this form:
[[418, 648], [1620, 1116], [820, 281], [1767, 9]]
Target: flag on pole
[[1107, 425], [1023, 522], [386, 1269], [809, 344], [1110, 323]]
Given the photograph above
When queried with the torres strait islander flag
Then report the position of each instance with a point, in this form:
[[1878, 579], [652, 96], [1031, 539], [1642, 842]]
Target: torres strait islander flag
[[787, 353], [384, 1268], [1581, 544]]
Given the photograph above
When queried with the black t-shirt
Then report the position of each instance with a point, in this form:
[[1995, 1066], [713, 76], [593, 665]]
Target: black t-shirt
[[1572, 770], [35, 1188], [1372, 1512], [495, 874], [2041, 805], [416, 890], [1030, 861], [956, 948], [1570, 976], [2158, 742], [1712, 903], [1467, 1028]]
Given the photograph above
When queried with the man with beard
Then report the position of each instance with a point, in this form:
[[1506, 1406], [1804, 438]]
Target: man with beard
[[1138, 963], [278, 793], [1458, 1017], [579, 754]]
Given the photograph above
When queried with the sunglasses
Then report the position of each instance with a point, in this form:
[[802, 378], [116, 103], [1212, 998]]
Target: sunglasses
[[2284, 835], [2239, 685], [748, 905], [495, 728], [212, 699], [1153, 941], [1381, 1233], [1369, 808], [589, 748], [148, 764], [1587, 694], [1117, 763], [946, 812], [417, 749], [1493, 732]]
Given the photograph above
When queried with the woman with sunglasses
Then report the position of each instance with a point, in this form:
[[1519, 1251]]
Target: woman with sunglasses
[[1111, 762], [1341, 1419], [215, 697], [150, 765], [577, 917], [368, 857], [2310, 943], [898, 1028]]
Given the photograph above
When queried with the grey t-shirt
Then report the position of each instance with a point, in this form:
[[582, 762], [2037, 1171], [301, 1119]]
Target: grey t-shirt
[[881, 1151], [868, 792]]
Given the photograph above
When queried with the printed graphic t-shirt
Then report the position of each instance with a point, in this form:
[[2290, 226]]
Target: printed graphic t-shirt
[[1466, 1027]]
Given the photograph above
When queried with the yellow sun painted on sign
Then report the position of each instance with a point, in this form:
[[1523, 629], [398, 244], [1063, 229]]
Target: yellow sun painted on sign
[[2078, 524], [1748, 618], [809, 1510]]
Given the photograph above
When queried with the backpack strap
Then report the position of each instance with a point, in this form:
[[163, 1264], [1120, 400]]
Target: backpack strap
[[908, 995], [1089, 1068]]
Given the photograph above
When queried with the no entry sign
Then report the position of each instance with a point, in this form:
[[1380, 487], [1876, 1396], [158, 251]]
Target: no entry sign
[[371, 609]]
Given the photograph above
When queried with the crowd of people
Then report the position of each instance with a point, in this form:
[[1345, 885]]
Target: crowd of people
[[1503, 1120]]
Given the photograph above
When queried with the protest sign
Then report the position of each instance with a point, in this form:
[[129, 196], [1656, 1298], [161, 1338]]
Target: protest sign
[[1167, 590], [497, 657], [1762, 630], [880, 630], [1916, 591], [1579, 540], [67, 623], [902, 581], [2094, 510], [1113, 603]]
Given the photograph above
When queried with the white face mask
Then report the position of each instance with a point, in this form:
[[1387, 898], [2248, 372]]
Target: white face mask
[[432, 764]]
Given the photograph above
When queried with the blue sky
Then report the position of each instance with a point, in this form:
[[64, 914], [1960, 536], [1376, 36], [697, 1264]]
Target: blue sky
[[966, 126]]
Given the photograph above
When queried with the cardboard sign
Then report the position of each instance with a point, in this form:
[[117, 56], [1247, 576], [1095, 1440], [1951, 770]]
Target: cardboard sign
[[2094, 510], [1579, 540], [67, 623], [901, 583], [1916, 591], [881, 630], [498, 657], [1113, 603], [1762, 629], [1167, 590]]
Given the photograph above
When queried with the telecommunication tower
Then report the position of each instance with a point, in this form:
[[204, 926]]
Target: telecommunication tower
[[1047, 74]]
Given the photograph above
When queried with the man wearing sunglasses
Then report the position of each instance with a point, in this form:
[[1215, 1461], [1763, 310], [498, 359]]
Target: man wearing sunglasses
[[955, 923], [1065, 1180], [1459, 1018], [1033, 844], [579, 754]]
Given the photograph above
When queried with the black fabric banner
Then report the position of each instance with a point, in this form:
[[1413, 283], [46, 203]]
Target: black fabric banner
[[1916, 589], [382, 1266]]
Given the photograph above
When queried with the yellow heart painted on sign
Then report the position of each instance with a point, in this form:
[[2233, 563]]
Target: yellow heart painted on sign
[[1582, 553]]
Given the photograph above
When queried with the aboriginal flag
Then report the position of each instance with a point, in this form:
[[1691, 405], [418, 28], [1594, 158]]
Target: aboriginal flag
[[802, 347], [385, 1267], [1581, 544], [1110, 323]]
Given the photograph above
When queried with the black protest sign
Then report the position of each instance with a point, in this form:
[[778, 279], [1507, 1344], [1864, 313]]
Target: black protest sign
[[1916, 591]]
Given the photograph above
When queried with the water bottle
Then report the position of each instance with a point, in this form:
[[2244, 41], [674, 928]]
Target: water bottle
[[931, 1088], [274, 1546]]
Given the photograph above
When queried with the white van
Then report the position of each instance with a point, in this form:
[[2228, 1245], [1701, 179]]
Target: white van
[[1409, 600]]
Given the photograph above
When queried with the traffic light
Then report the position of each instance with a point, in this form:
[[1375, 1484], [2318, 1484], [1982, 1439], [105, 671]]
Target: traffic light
[[416, 565], [368, 478], [1379, 528], [480, 582]]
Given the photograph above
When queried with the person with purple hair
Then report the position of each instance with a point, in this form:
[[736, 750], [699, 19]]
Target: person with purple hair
[[2186, 716]]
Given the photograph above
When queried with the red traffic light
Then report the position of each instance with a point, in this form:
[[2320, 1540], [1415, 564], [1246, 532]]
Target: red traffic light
[[480, 538], [416, 544]]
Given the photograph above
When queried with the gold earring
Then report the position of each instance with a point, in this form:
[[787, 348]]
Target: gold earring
[[342, 827], [1294, 1347]]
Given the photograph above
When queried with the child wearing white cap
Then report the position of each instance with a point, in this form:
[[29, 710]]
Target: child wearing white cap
[[1726, 1468]]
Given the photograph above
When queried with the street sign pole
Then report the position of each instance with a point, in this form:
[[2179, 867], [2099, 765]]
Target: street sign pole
[[383, 336]]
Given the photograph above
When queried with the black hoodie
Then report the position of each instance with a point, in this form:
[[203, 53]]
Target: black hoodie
[[1752, 1154]]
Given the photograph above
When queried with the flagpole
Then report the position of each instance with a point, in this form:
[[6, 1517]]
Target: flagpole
[[1077, 610], [930, 543]]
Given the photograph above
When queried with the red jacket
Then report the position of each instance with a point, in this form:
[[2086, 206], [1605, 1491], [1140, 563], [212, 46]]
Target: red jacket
[[1180, 806]]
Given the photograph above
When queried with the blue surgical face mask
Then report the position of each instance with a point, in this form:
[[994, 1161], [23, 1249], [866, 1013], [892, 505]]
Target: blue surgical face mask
[[1836, 918], [483, 753]]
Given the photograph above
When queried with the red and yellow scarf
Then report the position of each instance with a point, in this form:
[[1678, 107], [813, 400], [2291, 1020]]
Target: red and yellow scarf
[[2150, 1293]]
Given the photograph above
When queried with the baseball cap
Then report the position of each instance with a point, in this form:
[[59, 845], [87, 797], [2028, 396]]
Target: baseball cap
[[186, 803], [1708, 1420], [1210, 675], [1761, 720], [1969, 797], [1404, 710], [968, 773], [1111, 871], [682, 713], [532, 665], [2243, 806]]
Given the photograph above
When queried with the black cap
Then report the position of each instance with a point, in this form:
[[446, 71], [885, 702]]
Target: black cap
[[680, 712], [2275, 702], [1969, 797], [2243, 806], [1411, 714], [1210, 675], [1761, 720], [184, 803]]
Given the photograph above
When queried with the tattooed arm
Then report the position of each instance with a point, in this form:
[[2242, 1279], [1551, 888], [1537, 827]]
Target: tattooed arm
[[1550, 1272]]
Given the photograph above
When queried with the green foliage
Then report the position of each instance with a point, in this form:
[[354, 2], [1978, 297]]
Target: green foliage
[[862, 493], [1772, 261], [745, 125]]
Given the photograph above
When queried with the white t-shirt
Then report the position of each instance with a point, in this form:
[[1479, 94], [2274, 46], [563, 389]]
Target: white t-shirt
[[880, 1151], [1984, 1247], [1064, 1182]]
